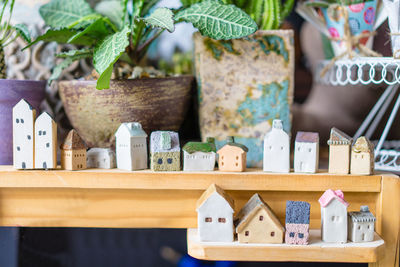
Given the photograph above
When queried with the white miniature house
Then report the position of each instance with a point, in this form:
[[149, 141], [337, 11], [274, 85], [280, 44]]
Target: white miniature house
[[306, 152], [277, 149], [361, 225], [45, 142], [198, 156], [103, 158], [131, 147], [333, 216], [215, 215], [23, 135]]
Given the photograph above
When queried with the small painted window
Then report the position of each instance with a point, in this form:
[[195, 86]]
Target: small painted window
[[159, 161], [298, 149], [270, 147], [261, 218], [22, 120], [47, 144], [40, 132], [237, 157], [359, 227], [222, 163], [369, 226], [208, 219], [29, 137], [222, 157], [237, 164], [169, 161], [309, 150], [17, 120], [221, 220], [301, 235], [281, 147], [272, 233], [362, 156], [246, 233], [18, 148], [44, 132], [291, 234]]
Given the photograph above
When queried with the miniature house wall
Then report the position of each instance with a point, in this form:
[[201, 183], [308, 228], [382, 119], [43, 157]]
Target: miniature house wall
[[339, 152], [23, 135], [306, 153], [103, 158], [215, 215], [277, 149], [256, 223], [198, 156], [165, 151], [333, 216], [131, 147], [362, 157], [45, 142], [361, 225], [232, 156], [297, 222], [73, 152]]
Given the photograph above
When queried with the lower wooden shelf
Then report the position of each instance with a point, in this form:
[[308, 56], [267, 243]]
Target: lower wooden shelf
[[316, 251]]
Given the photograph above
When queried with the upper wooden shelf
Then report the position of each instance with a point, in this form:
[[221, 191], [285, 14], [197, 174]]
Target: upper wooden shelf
[[252, 179]]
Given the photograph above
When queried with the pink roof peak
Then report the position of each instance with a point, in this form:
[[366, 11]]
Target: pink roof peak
[[329, 195]]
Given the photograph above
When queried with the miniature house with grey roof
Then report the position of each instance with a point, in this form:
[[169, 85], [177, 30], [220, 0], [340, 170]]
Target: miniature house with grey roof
[[339, 152], [297, 222], [165, 152], [102, 158], [131, 146], [361, 225], [276, 149], [198, 156], [232, 156], [306, 152]]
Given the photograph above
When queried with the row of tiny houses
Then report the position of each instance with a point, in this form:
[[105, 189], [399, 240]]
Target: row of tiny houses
[[257, 223]]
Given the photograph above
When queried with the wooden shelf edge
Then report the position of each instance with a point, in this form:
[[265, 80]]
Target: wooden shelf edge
[[316, 251]]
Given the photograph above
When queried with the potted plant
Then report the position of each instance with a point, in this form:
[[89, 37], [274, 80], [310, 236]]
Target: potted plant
[[117, 34], [245, 84], [13, 90]]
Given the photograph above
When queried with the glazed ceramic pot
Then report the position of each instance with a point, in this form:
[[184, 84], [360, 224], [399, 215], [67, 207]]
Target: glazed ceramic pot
[[12, 91], [244, 85], [157, 103]]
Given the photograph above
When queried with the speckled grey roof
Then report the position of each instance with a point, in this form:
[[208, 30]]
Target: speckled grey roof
[[364, 215], [155, 142], [297, 212]]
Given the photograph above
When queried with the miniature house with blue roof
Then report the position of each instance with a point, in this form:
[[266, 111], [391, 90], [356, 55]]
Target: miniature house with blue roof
[[297, 222], [165, 152]]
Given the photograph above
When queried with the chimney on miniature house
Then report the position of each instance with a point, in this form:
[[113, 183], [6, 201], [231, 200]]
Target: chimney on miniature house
[[277, 124], [210, 140], [230, 139], [165, 140], [136, 125]]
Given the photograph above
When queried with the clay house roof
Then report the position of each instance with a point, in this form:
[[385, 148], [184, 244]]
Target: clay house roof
[[230, 141], [307, 137], [133, 128], [363, 145], [297, 212], [364, 215], [250, 210], [211, 190], [339, 138], [164, 141], [206, 147], [73, 141], [330, 195]]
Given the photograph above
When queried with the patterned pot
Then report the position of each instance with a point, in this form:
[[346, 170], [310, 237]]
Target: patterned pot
[[243, 85], [11, 93], [157, 103]]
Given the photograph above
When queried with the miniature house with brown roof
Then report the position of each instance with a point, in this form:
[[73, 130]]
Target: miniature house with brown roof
[[232, 156], [73, 152], [215, 215], [362, 157], [339, 152], [257, 223]]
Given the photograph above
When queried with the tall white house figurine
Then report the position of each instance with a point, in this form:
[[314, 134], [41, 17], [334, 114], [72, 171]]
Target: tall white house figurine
[[333, 216], [198, 156], [215, 215], [45, 142], [306, 152], [23, 135], [131, 147], [277, 149], [361, 225], [102, 158]]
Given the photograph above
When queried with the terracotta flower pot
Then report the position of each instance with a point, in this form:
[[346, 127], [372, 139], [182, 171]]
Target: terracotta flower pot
[[244, 85], [157, 103], [11, 93]]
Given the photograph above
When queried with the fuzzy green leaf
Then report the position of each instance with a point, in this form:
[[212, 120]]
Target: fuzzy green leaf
[[70, 57], [114, 10], [96, 29], [106, 53], [217, 20], [85, 52], [161, 18], [61, 13], [23, 31]]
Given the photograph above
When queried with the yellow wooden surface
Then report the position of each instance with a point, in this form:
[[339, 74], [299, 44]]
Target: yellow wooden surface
[[315, 251]]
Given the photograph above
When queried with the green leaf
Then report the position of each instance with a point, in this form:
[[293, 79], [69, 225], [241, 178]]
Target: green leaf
[[112, 10], [161, 18], [23, 31], [85, 52], [70, 57], [61, 13], [218, 21], [96, 29], [107, 52]]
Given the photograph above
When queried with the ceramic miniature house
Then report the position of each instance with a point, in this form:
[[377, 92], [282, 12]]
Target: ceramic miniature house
[[73, 152], [339, 152], [131, 147], [23, 135], [215, 215], [362, 157], [102, 158], [232, 156], [165, 151], [333, 216], [45, 142], [306, 152], [361, 225], [277, 149], [297, 222], [198, 156], [257, 223]]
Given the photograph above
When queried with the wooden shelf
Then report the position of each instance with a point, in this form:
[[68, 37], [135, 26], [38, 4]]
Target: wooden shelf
[[316, 251]]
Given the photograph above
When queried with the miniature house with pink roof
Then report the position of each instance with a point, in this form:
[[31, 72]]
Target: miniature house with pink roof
[[333, 216]]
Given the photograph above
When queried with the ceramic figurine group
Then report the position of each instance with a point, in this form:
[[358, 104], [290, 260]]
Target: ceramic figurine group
[[257, 223]]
